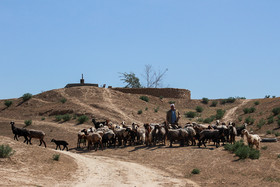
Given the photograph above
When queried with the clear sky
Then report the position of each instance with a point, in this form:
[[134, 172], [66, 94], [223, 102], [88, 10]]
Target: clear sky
[[214, 48]]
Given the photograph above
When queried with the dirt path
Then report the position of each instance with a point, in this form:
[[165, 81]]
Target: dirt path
[[230, 114], [105, 171]]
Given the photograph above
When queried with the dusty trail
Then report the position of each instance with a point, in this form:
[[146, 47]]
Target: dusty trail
[[230, 114], [105, 171]]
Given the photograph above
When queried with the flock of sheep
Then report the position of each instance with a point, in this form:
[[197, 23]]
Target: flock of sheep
[[105, 134]]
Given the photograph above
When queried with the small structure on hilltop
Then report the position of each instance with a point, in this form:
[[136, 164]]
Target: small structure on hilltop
[[82, 83]]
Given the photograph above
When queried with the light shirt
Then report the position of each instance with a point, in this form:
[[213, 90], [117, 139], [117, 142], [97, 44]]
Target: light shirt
[[173, 116]]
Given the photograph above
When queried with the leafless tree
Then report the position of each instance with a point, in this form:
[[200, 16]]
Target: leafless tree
[[153, 78]]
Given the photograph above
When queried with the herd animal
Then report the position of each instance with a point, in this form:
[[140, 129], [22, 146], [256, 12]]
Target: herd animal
[[105, 134]]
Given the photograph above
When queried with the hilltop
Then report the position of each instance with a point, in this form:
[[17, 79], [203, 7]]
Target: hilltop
[[217, 166]]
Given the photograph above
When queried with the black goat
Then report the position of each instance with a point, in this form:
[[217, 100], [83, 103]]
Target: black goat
[[60, 142], [216, 135], [99, 124], [239, 129], [20, 132]]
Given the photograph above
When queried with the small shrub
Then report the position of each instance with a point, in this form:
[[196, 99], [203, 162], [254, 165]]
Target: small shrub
[[82, 119], [156, 109], [75, 116], [195, 171], [230, 100], [27, 122], [270, 120], [220, 113], [249, 120], [205, 100], [261, 123], [144, 98], [273, 96], [242, 152], [268, 132], [264, 147], [267, 96], [58, 117], [254, 154], [278, 156], [276, 111], [26, 96], [239, 118], [146, 108], [209, 120], [199, 109], [8, 103], [6, 151], [246, 110], [278, 122], [252, 110], [214, 104], [66, 117], [63, 100], [139, 112], [56, 157], [161, 97], [200, 120], [277, 134], [171, 102], [190, 114], [257, 102], [223, 102], [43, 118]]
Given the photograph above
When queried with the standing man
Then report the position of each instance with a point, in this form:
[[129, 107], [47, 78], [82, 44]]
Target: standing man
[[173, 116]]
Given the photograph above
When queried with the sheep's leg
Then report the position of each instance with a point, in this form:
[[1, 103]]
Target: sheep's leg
[[66, 147], [100, 143], [59, 147], [56, 146], [40, 143], [44, 143], [15, 137], [30, 141]]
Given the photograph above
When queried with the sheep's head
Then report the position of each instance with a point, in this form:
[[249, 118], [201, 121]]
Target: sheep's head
[[12, 122], [52, 140]]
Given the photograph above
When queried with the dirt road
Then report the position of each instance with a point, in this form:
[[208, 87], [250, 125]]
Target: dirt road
[[105, 171]]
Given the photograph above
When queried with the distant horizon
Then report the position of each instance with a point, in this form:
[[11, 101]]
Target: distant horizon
[[215, 49]]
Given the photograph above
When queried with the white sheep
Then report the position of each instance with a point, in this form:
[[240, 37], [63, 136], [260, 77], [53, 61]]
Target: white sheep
[[252, 139]]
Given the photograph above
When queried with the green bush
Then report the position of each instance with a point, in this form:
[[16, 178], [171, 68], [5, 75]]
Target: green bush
[[63, 100], [27, 122], [156, 109], [195, 171], [220, 113], [273, 96], [190, 114], [146, 108], [82, 119], [243, 152], [257, 102], [200, 120], [56, 157], [246, 110], [161, 97], [66, 117], [240, 118], [278, 122], [268, 132], [252, 110], [261, 123], [43, 118], [276, 111], [205, 100], [264, 147], [254, 154], [249, 120], [270, 120], [222, 102], [278, 156], [267, 96], [26, 96], [144, 98], [58, 117], [139, 112], [8, 103], [209, 119], [230, 100], [6, 151], [277, 134], [171, 102], [199, 109], [214, 104]]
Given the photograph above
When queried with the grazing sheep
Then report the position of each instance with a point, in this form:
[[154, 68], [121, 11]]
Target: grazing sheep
[[191, 134], [19, 132], [239, 129], [60, 142], [232, 132], [161, 134], [109, 138], [216, 135], [176, 134], [94, 139], [98, 124], [37, 134], [81, 138], [252, 139]]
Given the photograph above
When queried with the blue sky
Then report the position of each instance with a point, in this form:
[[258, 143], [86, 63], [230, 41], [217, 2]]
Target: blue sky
[[216, 49]]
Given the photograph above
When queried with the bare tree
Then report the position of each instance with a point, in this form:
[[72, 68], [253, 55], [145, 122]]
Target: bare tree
[[153, 78]]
